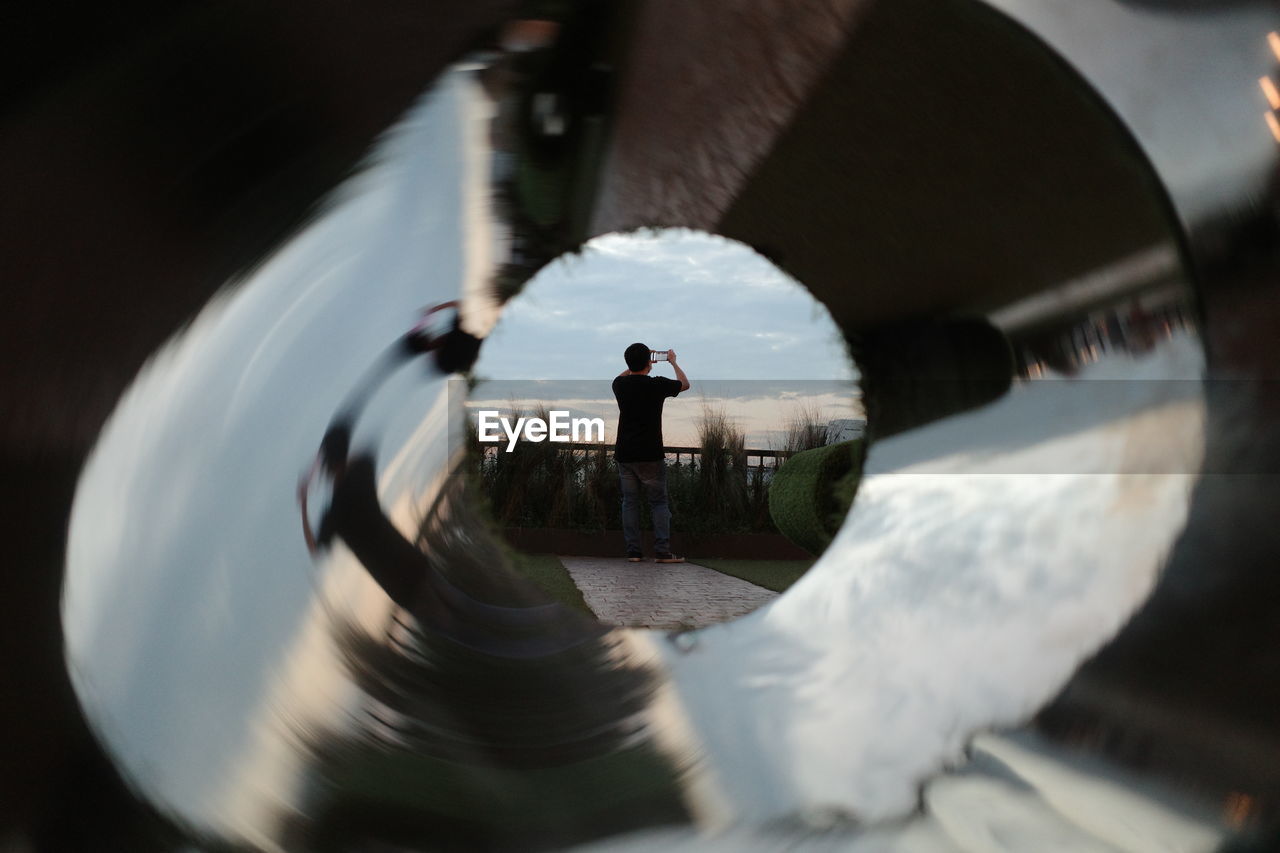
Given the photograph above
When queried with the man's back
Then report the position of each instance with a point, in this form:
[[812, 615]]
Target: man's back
[[640, 398]]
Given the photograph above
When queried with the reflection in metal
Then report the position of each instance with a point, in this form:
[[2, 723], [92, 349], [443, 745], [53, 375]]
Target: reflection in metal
[[960, 592], [1050, 459]]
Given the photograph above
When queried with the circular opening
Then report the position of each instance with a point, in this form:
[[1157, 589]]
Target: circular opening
[[734, 443]]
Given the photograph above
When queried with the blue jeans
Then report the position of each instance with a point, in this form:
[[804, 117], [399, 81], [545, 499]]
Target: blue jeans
[[652, 478]]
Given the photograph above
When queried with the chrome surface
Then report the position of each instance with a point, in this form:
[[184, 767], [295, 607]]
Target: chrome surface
[[1046, 622]]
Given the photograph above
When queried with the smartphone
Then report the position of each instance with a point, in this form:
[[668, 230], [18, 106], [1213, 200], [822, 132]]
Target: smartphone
[[658, 355]]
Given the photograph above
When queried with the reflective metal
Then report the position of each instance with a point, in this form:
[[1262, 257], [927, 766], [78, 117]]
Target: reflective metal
[[1074, 426]]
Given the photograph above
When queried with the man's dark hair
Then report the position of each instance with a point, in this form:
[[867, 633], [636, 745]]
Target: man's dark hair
[[637, 356]]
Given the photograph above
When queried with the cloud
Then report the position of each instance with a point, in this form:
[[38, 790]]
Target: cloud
[[726, 310]]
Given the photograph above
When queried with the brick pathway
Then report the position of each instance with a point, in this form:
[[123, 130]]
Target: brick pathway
[[662, 595]]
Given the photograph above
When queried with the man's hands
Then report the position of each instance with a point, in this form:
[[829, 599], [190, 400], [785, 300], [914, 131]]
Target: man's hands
[[684, 380]]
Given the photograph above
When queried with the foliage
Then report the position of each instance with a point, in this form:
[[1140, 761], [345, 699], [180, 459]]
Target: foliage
[[541, 484], [811, 493]]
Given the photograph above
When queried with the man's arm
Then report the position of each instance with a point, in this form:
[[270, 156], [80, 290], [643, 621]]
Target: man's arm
[[684, 380]]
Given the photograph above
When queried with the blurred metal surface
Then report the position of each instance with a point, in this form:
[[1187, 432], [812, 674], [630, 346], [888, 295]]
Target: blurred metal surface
[[1092, 182]]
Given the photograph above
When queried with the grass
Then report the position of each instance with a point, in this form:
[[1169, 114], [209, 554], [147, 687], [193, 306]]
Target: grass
[[805, 429], [551, 576], [776, 575]]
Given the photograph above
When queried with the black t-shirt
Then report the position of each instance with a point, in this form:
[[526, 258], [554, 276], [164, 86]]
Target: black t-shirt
[[640, 398]]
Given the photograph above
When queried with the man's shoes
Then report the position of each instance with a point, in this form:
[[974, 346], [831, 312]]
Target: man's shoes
[[633, 557], [668, 558]]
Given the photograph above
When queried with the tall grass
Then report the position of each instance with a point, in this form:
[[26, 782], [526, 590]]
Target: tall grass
[[535, 485], [720, 486], [805, 429], [541, 484], [759, 519]]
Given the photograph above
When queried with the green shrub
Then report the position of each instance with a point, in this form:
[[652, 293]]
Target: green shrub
[[811, 493]]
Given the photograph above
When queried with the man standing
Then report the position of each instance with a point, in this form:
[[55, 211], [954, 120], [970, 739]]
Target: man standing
[[641, 463]]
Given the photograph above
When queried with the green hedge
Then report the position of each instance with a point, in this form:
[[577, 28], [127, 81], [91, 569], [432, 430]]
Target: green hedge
[[811, 493]]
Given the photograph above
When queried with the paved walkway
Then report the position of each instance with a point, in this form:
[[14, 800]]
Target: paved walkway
[[662, 595]]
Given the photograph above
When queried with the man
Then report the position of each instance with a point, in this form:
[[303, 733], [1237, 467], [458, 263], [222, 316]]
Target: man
[[638, 454]]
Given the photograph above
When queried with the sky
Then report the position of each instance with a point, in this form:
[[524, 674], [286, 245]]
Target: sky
[[752, 341]]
